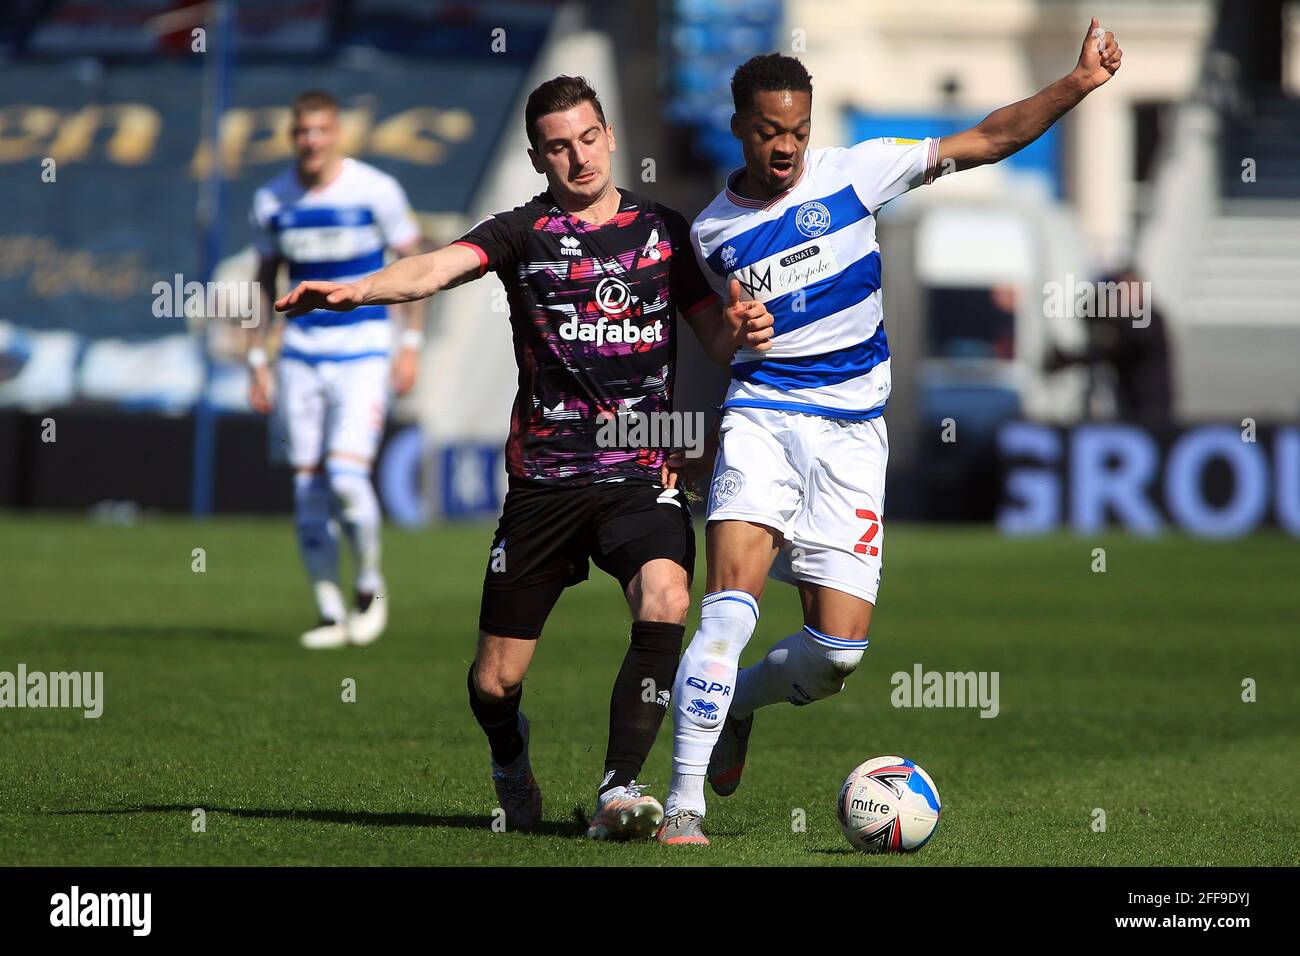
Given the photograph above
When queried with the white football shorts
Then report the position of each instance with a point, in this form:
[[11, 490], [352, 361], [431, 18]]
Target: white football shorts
[[326, 407], [819, 481]]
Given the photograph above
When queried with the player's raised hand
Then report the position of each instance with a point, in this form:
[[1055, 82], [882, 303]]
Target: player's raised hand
[[335, 296], [1100, 56]]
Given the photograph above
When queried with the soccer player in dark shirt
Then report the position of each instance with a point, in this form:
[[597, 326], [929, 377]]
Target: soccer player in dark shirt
[[595, 277]]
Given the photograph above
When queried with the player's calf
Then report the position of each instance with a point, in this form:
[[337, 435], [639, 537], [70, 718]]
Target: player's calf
[[640, 699], [704, 689], [318, 546], [495, 705]]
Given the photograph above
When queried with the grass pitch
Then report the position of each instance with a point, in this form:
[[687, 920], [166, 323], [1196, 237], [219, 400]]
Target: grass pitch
[[1119, 690]]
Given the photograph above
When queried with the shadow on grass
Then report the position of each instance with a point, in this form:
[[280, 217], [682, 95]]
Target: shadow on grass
[[363, 818]]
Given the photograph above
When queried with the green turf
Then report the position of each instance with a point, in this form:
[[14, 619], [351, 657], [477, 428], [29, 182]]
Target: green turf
[[1119, 691]]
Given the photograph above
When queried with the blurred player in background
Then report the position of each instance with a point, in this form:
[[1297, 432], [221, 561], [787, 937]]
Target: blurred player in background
[[799, 485], [595, 277], [331, 217]]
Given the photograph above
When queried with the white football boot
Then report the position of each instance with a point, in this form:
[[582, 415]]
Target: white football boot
[[367, 622], [326, 635], [625, 813]]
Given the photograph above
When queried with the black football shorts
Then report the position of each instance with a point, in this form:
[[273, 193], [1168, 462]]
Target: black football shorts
[[547, 534]]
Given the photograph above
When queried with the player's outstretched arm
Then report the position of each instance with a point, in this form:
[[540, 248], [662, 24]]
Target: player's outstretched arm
[[405, 280], [1014, 127], [722, 329]]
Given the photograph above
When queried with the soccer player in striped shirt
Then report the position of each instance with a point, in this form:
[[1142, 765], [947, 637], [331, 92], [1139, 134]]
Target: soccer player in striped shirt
[[799, 483], [331, 217]]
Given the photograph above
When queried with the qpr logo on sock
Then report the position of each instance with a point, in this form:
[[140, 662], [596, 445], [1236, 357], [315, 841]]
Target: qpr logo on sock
[[812, 219], [709, 687]]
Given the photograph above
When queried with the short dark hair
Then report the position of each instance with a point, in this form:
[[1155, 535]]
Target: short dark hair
[[767, 73], [313, 100], [555, 96]]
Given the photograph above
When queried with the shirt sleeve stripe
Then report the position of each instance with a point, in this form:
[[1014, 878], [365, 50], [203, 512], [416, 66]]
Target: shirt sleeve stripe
[[482, 256], [932, 161], [704, 303]]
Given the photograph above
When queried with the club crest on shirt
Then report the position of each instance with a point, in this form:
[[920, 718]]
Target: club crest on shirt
[[812, 219], [725, 487], [612, 295]]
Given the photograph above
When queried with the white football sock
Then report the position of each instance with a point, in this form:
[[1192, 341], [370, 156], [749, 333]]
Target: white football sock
[[703, 690], [359, 514], [801, 668], [685, 793], [318, 542]]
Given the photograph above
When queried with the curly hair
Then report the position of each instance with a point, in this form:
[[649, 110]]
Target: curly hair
[[767, 72]]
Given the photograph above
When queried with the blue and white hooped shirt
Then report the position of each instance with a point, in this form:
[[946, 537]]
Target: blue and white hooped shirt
[[337, 233], [811, 256]]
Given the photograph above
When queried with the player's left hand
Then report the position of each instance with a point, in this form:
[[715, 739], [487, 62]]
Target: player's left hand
[[405, 367], [1100, 57]]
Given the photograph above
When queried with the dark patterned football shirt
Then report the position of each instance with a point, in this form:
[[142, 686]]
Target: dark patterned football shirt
[[593, 312]]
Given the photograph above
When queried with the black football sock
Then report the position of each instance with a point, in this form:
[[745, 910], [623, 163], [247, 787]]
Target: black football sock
[[500, 721], [640, 699]]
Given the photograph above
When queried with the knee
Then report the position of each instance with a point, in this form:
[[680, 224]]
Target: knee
[[492, 682], [349, 480], [829, 667], [667, 604], [843, 663]]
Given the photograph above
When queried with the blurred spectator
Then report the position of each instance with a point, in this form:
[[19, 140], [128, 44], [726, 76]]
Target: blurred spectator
[[1136, 351]]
